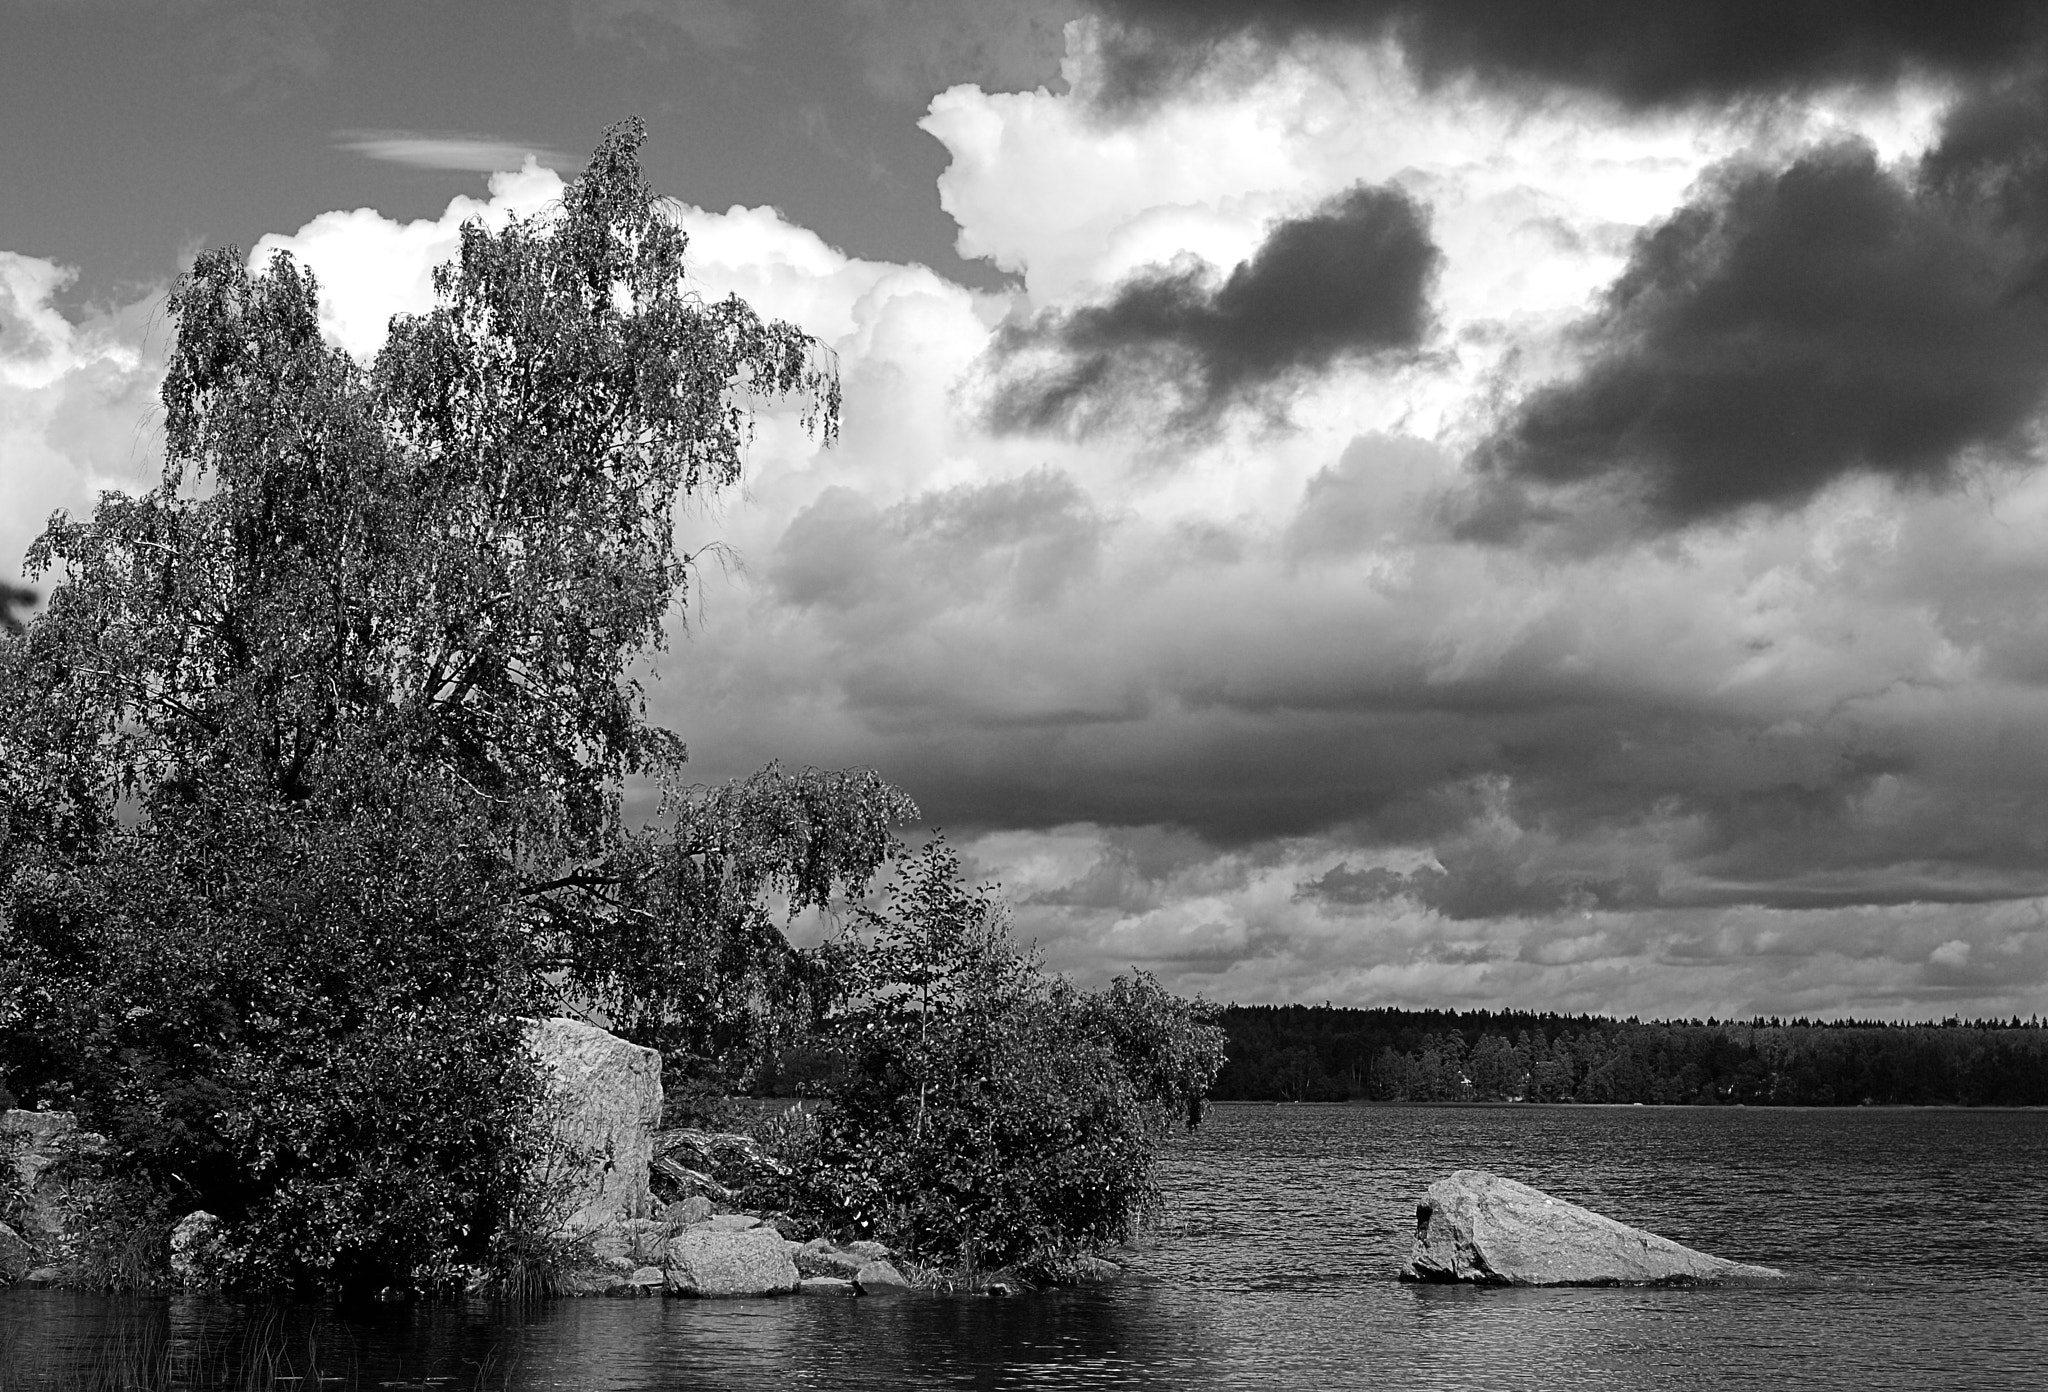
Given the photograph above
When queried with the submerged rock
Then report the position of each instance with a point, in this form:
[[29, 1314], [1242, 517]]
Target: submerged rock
[[879, 1276], [752, 1262], [1479, 1227], [642, 1280], [1095, 1270], [588, 1282]]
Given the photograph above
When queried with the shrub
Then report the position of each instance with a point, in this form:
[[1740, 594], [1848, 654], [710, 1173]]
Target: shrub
[[991, 1115], [301, 1018]]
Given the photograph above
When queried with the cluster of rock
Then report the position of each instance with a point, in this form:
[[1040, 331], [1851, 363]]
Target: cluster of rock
[[603, 1104], [694, 1252], [1479, 1228]]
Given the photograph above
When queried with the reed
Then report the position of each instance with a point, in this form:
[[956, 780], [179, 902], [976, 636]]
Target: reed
[[154, 1350]]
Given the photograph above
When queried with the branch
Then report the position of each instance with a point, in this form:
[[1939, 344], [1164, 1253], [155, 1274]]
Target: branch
[[577, 879]]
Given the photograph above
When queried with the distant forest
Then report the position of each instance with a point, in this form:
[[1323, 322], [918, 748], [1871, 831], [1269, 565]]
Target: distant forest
[[1301, 1053]]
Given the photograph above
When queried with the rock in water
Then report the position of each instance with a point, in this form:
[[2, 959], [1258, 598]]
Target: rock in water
[[1479, 1227], [197, 1244], [879, 1276], [603, 1104], [753, 1262]]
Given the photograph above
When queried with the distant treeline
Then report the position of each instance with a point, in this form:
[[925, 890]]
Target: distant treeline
[[1327, 1054]]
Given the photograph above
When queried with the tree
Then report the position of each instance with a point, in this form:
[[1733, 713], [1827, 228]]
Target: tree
[[457, 552], [684, 954], [1499, 1071], [991, 1115], [329, 728]]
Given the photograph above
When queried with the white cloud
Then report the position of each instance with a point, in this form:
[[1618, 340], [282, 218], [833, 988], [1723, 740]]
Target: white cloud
[[77, 401], [371, 267], [477, 154]]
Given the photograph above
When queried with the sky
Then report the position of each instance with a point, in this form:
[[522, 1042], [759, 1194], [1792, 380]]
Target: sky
[[1339, 500]]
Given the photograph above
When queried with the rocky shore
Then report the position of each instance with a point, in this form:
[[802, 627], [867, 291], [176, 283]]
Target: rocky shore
[[628, 1209]]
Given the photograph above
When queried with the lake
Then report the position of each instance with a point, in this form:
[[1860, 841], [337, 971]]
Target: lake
[[1917, 1244]]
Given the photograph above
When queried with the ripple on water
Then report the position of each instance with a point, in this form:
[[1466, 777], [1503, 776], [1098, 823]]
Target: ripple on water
[[1915, 1242]]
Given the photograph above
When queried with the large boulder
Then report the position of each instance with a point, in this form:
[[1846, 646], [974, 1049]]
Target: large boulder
[[36, 1141], [602, 1104], [756, 1261], [1481, 1228]]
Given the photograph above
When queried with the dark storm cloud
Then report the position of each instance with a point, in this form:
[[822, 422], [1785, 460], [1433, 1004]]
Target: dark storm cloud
[[1349, 280], [1554, 839], [1019, 542], [1642, 55], [1356, 503], [1789, 326], [15, 603], [1132, 872]]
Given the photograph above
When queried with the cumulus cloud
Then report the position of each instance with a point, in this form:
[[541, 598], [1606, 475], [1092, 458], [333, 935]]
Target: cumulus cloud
[[371, 267], [1348, 280], [1643, 57], [77, 400]]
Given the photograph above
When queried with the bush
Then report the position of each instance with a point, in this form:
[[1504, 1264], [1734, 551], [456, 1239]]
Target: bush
[[991, 1115], [301, 1018]]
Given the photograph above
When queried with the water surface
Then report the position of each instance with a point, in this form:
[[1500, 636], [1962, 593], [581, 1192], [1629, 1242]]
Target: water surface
[[1917, 1244]]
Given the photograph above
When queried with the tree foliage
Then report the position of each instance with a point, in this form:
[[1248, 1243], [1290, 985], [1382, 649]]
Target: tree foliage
[[458, 550], [991, 1115], [312, 753], [306, 1022], [686, 955]]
